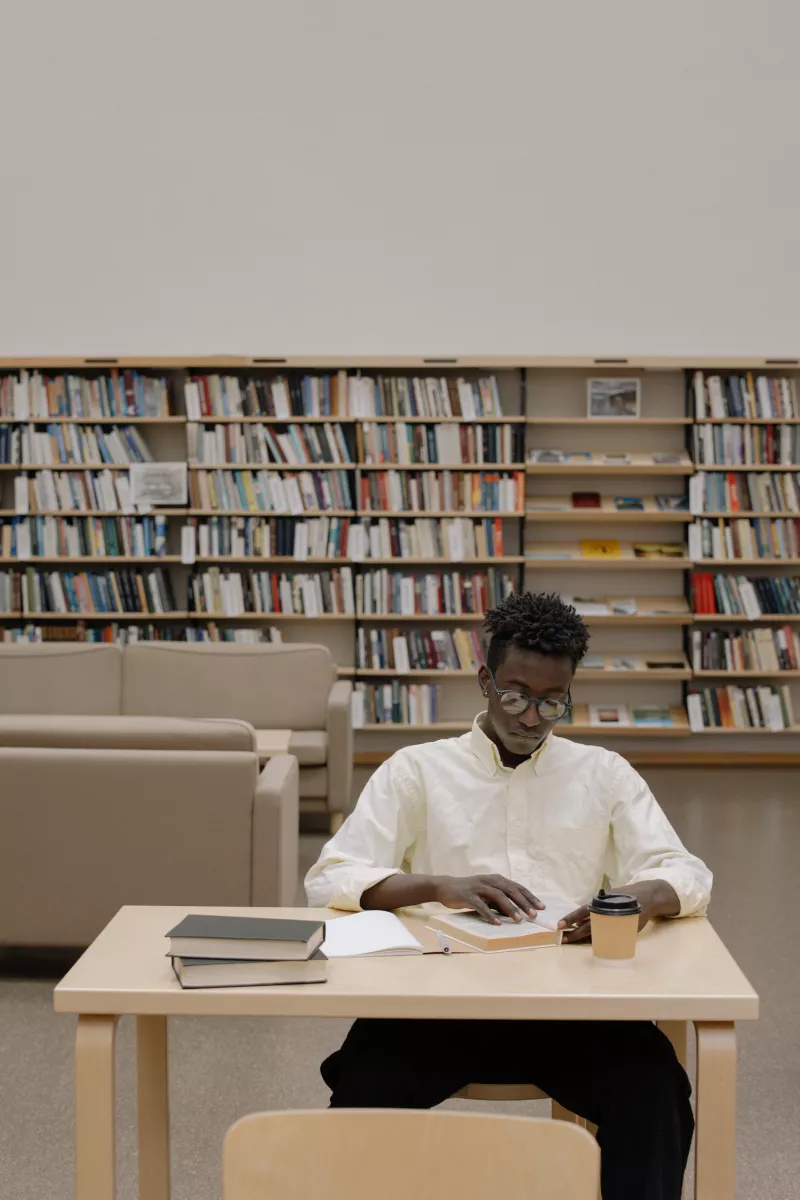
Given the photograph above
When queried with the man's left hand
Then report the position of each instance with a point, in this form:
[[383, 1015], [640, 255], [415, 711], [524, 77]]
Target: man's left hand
[[656, 896]]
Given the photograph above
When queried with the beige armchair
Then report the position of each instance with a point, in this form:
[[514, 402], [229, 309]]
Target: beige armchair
[[273, 687], [87, 831]]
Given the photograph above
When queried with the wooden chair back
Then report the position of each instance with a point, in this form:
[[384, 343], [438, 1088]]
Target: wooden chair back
[[394, 1154]]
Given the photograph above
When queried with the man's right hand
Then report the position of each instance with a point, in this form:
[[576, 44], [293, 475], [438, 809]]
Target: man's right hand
[[488, 895]]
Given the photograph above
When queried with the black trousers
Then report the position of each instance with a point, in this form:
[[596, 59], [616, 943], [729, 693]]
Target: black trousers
[[622, 1076]]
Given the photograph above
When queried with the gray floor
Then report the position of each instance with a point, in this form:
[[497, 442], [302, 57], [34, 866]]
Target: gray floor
[[745, 823]]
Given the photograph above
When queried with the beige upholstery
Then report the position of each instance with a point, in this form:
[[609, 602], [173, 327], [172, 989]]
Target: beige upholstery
[[125, 733], [343, 1153], [77, 679], [272, 687], [87, 831], [287, 686]]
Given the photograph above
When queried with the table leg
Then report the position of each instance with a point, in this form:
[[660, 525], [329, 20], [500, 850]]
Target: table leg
[[678, 1034], [95, 1133], [715, 1136], [153, 1108]]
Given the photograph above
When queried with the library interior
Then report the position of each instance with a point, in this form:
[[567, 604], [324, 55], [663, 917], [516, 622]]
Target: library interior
[[399, 575]]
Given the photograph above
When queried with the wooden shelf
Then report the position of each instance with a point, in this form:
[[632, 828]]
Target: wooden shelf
[[612, 564], [600, 468], [581, 726], [779, 618], [89, 466], [744, 516], [404, 513], [734, 675], [606, 513], [334, 420], [92, 420], [702, 563], [643, 620], [271, 466], [430, 618], [608, 422], [279, 363], [745, 732], [445, 564], [440, 420], [95, 616], [391, 673], [275, 560], [600, 675], [98, 560], [747, 421], [742, 468], [494, 468], [269, 616], [265, 513]]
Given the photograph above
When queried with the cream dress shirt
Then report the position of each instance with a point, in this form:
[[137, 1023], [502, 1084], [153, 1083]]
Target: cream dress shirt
[[568, 818]]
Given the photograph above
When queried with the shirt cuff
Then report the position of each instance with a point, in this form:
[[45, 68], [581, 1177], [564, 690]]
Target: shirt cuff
[[693, 898], [349, 886]]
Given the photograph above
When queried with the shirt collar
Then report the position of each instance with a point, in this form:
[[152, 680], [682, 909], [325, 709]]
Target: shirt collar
[[484, 748]]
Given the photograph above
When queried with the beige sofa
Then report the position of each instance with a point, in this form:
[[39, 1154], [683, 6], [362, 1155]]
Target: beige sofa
[[86, 831], [152, 693]]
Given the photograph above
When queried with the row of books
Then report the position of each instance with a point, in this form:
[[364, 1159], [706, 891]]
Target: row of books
[[738, 595], [73, 491], [297, 445], [123, 635], [269, 491], [735, 707], [603, 549], [609, 504], [109, 591], [452, 539], [746, 445], [437, 491], [745, 650], [446, 592], [746, 396], [119, 394], [627, 606], [622, 716], [61, 444], [340, 395], [83, 537], [419, 650], [445, 444], [767, 537], [234, 593], [733, 492], [394, 703], [578, 458]]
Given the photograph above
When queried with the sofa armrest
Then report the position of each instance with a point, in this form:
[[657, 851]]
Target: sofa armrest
[[276, 818], [340, 747]]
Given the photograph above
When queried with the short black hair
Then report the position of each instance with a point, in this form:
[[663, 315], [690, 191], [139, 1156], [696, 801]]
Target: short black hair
[[540, 622]]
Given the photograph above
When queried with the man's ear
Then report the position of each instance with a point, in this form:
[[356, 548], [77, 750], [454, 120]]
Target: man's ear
[[484, 679]]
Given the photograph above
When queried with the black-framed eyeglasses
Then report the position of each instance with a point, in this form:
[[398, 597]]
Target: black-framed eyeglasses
[[516, 703]]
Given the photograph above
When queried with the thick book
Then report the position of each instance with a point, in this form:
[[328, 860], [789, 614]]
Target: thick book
[[254, 938], [471, 930], [248, 972]]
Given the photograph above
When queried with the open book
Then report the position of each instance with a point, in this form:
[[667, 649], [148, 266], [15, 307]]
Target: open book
[[366, 934], [468, 929]]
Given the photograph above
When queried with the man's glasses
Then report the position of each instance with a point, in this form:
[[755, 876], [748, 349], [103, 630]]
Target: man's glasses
[[516, 703]]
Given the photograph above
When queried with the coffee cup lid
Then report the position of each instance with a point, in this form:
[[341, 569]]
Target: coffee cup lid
[[615, 904]]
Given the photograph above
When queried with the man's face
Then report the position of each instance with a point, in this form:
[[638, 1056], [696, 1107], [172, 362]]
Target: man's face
[[532, 674]]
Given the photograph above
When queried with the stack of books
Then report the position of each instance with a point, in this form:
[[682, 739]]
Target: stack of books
[[452, 538], [419, 650], [296, 446], [394, 704], [393, 491], [447, 592], [222, 951], [266, 537], [269, 491], [227, 593], [119, 394], [759, 538], [83, 537], [446, 444], [61, 444], [746, 650], [86, 592], [735, 493], [746, 445]]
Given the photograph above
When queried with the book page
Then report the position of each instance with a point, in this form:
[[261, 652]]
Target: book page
[[368, 933], [509, 928]]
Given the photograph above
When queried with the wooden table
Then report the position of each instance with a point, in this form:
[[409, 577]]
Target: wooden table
[[682, 972]]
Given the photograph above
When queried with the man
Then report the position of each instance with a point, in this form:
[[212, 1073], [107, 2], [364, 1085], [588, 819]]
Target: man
[[507, 819]]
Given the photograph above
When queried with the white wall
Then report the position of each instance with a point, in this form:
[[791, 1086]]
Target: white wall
[[417, 176]]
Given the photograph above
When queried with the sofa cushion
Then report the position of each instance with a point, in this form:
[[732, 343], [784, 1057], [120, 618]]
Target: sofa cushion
[[309, 746], [313, 783], [271, 687], [42, 678], [125, 733]]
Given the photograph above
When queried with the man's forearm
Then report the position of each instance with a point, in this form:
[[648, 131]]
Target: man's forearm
[[401, 891]]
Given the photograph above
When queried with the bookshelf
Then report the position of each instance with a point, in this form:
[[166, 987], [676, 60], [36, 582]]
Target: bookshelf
[[542, 405]]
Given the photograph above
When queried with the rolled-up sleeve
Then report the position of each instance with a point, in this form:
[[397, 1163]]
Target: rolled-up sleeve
[[647, 847], [372, 843]]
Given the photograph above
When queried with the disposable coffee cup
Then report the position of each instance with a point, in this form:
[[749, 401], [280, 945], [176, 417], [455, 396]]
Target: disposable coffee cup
[[615, 924]]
